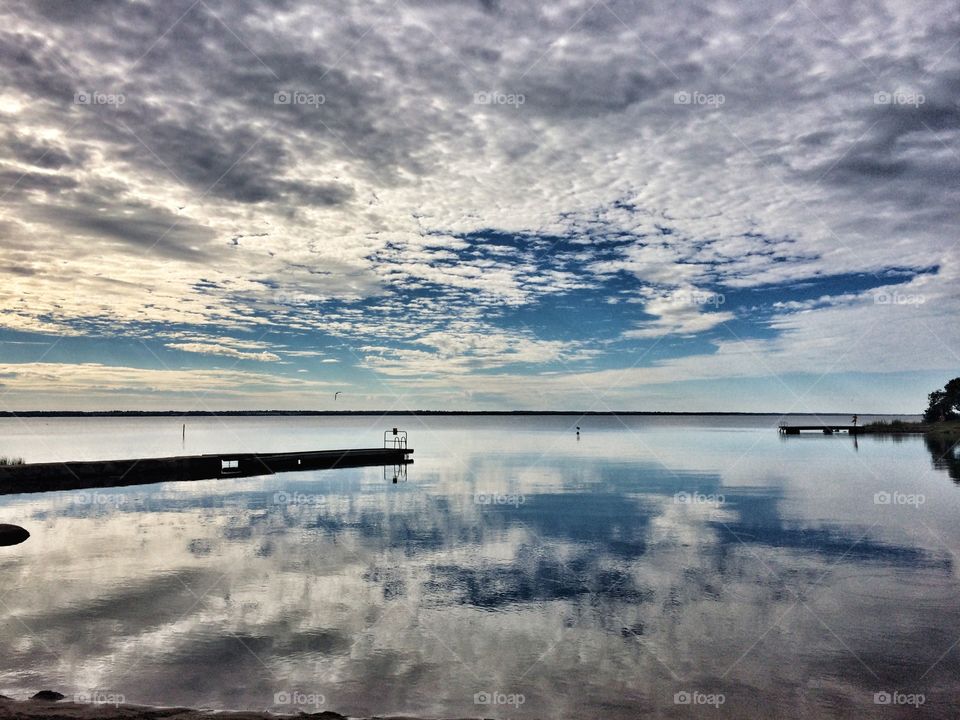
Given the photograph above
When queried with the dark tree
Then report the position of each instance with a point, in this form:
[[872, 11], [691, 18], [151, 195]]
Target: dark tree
[[944, 404]]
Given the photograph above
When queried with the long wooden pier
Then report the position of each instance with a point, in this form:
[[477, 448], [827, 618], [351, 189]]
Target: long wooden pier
[[825, 429], [47, 477]]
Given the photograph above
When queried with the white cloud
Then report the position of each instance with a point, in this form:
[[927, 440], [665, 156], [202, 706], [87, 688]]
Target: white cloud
[[98, 379], [225, 350], [200, 210]]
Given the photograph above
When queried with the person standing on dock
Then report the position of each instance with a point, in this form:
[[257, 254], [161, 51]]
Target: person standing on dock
[[854, 420]]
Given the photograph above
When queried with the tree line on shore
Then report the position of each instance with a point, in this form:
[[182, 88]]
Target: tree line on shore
[[944, 404]]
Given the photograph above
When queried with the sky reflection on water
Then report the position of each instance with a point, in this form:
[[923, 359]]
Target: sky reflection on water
[[607, 575]]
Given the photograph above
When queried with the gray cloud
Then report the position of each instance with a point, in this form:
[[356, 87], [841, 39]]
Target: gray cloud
[[31, 151], [142, 227], [18, 183], [366, 195]]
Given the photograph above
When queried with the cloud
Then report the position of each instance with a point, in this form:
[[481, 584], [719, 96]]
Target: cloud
[[212, 349], [36, 152], [400, 201], [98, 379], [468, 348]]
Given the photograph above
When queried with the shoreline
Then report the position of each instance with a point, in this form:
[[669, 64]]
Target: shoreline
[[400, 413], [946, 428], [65, 709]]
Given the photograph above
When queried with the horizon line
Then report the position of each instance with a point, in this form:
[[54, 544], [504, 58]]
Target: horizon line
[[261, 413]]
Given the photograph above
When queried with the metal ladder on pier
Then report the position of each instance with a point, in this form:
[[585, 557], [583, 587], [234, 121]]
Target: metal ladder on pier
[[397, 440]]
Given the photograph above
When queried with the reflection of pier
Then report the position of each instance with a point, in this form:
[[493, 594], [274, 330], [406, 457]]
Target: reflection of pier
[[825, 429], [46, 477]]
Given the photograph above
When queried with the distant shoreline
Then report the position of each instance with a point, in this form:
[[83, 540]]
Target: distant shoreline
[[66, 710], [325, 413]]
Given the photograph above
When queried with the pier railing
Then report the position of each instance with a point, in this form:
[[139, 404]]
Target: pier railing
[[785, 429], [395, 439]]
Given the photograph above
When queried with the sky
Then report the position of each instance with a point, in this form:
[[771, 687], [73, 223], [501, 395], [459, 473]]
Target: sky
[[478, 204]]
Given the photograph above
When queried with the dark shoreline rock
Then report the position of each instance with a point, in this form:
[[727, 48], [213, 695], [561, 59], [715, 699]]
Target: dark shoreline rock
[[12, 535], [48, 695]]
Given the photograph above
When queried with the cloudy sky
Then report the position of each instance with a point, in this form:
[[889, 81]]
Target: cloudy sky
[[478, 204]]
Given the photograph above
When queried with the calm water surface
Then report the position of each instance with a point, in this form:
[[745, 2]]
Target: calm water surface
[[653, 561]]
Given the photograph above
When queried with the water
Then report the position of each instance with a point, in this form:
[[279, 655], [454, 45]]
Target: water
[[656, 556]]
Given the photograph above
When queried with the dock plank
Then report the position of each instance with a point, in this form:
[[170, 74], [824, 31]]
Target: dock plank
[[826, 429], [76, 475]]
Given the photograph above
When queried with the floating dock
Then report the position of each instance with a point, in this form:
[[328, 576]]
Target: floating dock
[[48, 477], [825, 429]]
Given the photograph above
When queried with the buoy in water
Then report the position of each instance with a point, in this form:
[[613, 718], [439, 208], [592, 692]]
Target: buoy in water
[[12, 535]]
